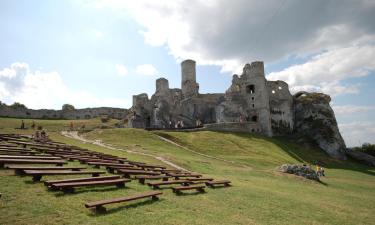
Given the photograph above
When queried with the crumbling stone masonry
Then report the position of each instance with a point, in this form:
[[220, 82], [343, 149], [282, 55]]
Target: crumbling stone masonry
[[251, 104]]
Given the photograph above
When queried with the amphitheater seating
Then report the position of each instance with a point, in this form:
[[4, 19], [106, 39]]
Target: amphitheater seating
[[69, 187], [142, 179], [19, 169], [37, 174], [98, 205], [30, 161], [50, 182], [214, 184], [178, 190], [156, 185]]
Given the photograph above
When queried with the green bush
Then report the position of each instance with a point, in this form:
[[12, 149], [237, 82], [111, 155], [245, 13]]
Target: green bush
[[366, 148]]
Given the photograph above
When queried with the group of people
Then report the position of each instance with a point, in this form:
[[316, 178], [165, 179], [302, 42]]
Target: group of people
[[71, 126], [179, 124], [320, 171]]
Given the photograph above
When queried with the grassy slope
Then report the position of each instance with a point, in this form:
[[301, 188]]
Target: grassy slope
[[259, 195]]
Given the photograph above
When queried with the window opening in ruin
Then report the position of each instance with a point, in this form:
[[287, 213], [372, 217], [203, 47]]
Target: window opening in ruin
[[253, 106], [252, 130], [254, 118], [273, 91], [250, 89], [280, 88], [237, 88], [252, 98]]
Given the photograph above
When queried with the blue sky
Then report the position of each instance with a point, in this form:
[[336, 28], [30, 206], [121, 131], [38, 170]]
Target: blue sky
[[100, 53]]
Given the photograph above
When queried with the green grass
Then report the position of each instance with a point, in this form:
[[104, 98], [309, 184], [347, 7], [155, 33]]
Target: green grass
[[259, 194]]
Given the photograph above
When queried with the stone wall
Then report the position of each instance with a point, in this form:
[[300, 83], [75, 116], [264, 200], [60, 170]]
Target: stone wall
[[87, 113], [248, 127]]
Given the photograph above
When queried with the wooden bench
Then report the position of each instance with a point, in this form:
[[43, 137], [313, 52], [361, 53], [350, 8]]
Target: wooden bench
[[19, 170], [178, 190], [128, 172], [30, 161], [155, 185], [112, 169], [37, 174], [98, 205], [178, 176], [214, 184], [50, 182], [152, 166], [200, 180], [142, 179], [98, 164], [28, 157], [69, 187]]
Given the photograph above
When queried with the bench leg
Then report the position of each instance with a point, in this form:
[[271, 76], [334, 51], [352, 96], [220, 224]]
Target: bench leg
[[121, 185], [110, 170], [154, 197], [68, 190], [165, 179], [19, 172], [76, 169], [1, 165], [96, 166], [99, 209], [126, 175], [201, 190], [142, 180], [37, 178], [59, 164], [95, 175]]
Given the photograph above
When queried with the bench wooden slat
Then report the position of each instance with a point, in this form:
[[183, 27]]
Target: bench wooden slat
[[156, 185], [37, 174], [31, 161], [69, 187], [143, 178], [218, 182], [28, 157], [199, 188], [50, 182], [60, 172], [98, 205]]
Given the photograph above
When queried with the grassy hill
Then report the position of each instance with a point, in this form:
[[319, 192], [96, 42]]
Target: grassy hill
[[259, 194]]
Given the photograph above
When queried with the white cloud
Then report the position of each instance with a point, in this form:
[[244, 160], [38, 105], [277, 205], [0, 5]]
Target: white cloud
[[39, 89], [325, 71], [357, 133], [146, 69], [351, 109], [231, 33], [121, 70], [98, 33]]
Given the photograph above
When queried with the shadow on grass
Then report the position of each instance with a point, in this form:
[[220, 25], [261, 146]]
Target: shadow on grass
[[80, 190], [124, 207], [311, 155]]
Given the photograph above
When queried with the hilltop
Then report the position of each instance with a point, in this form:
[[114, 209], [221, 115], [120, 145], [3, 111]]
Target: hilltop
[[259, 194]]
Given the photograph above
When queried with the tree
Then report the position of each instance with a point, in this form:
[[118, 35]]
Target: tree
[[68, 107], [18, 105]]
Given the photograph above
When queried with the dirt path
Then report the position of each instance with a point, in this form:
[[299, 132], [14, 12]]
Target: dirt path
[[74, 135], [198, 153]]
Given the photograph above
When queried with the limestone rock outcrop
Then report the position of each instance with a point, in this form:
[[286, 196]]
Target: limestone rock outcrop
[[251, 104], [362, 157], [315, 119], [299, 170]]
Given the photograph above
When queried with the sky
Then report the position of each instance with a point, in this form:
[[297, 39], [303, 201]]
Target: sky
[[92, 53]]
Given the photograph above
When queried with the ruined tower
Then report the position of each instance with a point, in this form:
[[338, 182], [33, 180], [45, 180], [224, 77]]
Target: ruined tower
[[162, 86], [257, 95], [189, 86]]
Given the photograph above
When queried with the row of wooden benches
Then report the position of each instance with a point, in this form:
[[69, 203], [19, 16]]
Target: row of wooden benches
[[54, 153]]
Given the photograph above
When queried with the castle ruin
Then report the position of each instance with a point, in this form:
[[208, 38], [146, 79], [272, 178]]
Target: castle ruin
[[250, 104]]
